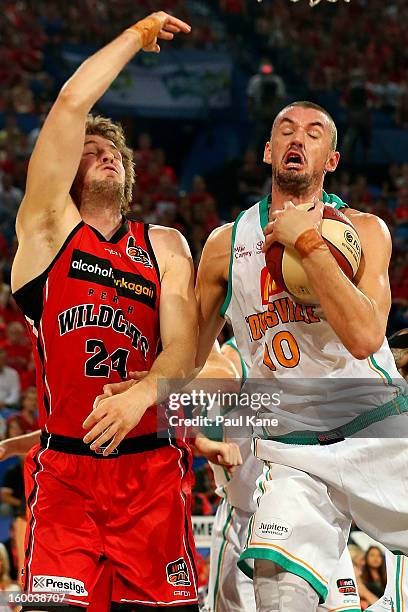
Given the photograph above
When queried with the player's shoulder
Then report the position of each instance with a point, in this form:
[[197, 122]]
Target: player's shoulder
[[368, 224], [169, 238], [221, 236]]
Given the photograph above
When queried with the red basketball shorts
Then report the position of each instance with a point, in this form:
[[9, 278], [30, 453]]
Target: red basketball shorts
[[129, 513]]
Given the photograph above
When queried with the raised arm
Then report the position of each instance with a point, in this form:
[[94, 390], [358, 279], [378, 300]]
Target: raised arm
[[47, 214], [211, 289]]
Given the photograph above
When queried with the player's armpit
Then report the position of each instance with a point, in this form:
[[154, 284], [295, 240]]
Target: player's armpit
[[211, 288]]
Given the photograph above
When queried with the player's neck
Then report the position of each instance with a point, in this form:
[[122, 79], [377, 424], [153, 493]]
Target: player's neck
[[106, 221], [279, 197]]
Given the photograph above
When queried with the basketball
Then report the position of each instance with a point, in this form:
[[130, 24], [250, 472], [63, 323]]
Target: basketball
[[285, 266]]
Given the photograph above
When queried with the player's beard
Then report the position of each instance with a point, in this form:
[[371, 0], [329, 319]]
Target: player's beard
[[293, 182], [107, 192]]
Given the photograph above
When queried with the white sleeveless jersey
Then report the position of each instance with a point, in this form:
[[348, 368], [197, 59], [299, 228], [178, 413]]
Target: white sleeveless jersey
[[294, 350], [238, 488]]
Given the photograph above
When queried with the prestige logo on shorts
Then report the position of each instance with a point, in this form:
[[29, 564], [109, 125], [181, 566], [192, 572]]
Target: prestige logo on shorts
[[58, 584], [346, 586], [275, 529], [177, 573]]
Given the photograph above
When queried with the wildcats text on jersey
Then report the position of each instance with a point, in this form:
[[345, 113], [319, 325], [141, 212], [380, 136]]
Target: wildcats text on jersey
[[85, 266], [89, 315]]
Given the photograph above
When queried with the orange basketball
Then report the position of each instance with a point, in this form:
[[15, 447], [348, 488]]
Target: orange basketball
[[285, 265]]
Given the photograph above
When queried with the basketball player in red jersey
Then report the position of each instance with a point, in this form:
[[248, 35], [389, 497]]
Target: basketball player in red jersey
[[100, 294]]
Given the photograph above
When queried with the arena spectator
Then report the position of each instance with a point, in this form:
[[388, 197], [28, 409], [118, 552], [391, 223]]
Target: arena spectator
[[12, 491], [4, 291], [17, 346], [10, 199], [28, 415], [199, 193], [358, 130], [144, 153], [373, 575], [11, 311], [266, 95], [11, 548], [9, 384], [251, 179], [165, 169], [149, 179], [27, 378], [6, 584], [398, 343], [13, 427]]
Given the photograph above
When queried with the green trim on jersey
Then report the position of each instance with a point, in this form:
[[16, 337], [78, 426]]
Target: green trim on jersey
[[248, 571], [375, 364], [227, 300], [332, 198], [398, 594], [286, 564], [233, 344], [327, 198], [399, 405], [263, 211]]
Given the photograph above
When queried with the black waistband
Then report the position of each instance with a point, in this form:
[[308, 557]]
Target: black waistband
[[128, 446]]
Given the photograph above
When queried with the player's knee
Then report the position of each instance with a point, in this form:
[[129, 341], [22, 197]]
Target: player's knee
[[279, 590], [266, 569]]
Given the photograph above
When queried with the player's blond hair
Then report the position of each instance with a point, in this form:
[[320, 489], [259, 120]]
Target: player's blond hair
[[105, 127]]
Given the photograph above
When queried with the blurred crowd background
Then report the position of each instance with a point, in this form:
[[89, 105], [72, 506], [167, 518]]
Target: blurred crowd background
[[198, 145]]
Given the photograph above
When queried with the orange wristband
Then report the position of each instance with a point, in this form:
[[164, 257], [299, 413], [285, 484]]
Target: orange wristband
[[309, 241], [147, 28]]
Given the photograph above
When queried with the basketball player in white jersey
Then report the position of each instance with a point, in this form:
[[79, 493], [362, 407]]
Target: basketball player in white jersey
[[318, 475], [229, 589]]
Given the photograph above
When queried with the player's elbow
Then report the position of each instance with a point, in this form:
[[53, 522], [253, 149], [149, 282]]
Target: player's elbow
[[70, 100], [364, 347]]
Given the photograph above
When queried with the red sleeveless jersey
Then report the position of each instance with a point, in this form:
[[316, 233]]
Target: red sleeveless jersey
[[93, 317]]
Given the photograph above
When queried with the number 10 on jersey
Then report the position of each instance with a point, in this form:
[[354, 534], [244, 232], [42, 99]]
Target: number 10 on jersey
[[284, 350]]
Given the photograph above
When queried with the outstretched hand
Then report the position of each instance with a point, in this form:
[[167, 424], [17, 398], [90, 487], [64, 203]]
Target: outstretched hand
[[159, 25]]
